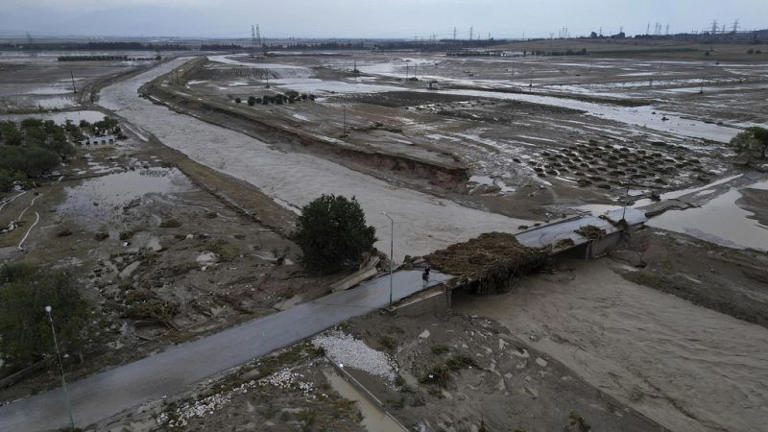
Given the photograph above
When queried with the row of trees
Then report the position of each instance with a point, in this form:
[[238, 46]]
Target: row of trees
[[278, 99], [29, 151]]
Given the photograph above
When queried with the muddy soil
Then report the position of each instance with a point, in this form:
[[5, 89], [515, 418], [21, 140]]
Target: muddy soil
[[755, 201], [161, 259], [461, 373], [284, 391], [508, 141], [682, 365], [726, 280]]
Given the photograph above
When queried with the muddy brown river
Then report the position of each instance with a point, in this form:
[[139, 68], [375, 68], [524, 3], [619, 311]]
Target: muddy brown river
[[686, 367], [423, 222]]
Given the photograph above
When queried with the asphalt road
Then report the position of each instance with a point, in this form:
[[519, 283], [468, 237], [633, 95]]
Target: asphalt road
[[176, 369]]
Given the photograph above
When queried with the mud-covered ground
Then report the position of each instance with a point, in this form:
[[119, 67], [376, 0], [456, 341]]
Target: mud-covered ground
[[726, 280], [459, 372], [287, 390], [37, 82], [161, 260], [536, 134], [671, 354]]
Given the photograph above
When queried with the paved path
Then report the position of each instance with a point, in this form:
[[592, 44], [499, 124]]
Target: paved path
[[177, 368]]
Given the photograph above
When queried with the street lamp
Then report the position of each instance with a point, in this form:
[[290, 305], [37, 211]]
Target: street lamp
[[48, 310], [391, 253]]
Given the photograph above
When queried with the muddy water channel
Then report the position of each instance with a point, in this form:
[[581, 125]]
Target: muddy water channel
[[374, 419], [644, 116], [423, 222], [719, 221], [684, 366]]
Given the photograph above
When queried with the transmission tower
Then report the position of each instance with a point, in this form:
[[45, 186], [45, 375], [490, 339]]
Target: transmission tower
[[258, 35], [454, 33], [735, 26], [471, 32], [714, 27]]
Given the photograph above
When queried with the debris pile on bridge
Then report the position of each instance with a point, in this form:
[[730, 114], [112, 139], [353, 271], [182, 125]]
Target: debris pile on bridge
[[489, 263], [591, 232]]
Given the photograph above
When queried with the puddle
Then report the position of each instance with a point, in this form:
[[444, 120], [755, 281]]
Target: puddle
[[59, 117], [93, 201], [720, 221], [374, 419], [318, 86]]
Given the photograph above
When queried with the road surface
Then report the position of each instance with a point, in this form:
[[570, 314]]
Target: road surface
[[177, 368]]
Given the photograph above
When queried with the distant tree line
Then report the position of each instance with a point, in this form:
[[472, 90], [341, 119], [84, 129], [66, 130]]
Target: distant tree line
[[331, 45], [105, 58], [278, 99], [91, 46], [32, 150], [221, 47]]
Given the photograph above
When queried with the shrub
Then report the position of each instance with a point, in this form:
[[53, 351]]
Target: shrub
[[753, 142], [238, 100], [251, 101], [25, 331], [333, 234]]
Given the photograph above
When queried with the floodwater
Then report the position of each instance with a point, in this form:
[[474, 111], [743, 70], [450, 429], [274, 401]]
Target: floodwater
[[318, 86], [94, 201], [644, 116], [720, 221], [684, 366], [423, 223], [374, 419]]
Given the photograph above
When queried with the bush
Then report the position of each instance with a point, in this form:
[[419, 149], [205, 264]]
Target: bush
[[251, 101], [10, 133], [333, 234], [753, 143], [238, 100], [25, 331]]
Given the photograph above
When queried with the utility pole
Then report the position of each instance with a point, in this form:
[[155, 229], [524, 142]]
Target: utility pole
[[391, 253], [648, 29], [344, 109], [253, 41], [48, 310], [471, 33], [454, 34], [74, 88]]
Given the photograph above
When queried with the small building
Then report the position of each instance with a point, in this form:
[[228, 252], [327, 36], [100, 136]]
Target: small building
[[98, 140]]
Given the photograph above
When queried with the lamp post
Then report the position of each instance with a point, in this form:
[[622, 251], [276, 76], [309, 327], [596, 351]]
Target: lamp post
[[391, 253], [48, 310]]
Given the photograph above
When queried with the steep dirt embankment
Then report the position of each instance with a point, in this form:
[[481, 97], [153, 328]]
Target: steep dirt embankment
[[167, 91]]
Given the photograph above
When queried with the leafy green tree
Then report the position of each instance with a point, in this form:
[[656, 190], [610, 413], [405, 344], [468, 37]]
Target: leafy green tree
[[251, 100], [753, 143], [11, 134], [25, 332], [333, 234]]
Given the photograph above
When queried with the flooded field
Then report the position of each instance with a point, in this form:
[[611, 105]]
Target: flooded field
[[93, 202], [721, 221], [681, 365], [522, 127], [303, 177]]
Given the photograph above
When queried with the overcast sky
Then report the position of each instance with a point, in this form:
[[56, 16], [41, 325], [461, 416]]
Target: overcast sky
[[369, 18]]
